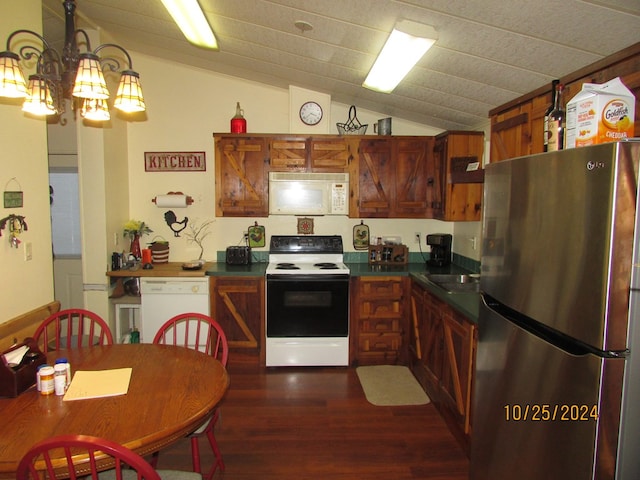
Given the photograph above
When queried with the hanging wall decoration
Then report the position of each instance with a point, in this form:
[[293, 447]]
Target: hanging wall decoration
[[361, 236], [13, 199], [174, 224], [305, 226], [256, 235], [17, 224]]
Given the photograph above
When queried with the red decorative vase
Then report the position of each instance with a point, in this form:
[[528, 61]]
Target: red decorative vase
[[135, 247]]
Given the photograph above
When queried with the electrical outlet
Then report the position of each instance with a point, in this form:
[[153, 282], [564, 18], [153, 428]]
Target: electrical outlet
[[416, 237], [28, 251], [115, 239]]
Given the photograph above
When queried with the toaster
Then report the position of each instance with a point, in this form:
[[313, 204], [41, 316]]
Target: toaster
[[238, 256]]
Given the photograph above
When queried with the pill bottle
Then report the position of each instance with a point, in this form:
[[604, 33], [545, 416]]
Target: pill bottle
[[46, 380], [38, 370], [60, 378], [65, 362]]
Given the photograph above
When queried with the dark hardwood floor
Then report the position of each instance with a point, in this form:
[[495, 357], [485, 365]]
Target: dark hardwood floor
[[312, 423]]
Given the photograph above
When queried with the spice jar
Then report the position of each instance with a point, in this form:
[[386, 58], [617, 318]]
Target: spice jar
[[46, 380]]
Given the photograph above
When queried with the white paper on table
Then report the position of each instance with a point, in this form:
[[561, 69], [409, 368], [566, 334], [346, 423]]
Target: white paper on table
[[98, 383]]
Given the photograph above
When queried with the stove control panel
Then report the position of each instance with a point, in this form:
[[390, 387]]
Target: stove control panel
[[305, 244]]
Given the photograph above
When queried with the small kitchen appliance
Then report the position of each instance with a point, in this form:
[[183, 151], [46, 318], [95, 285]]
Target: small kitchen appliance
[[307, 302], [238, 255], [440, 244]]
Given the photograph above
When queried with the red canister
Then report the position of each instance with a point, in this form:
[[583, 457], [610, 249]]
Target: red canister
[[238, 122]]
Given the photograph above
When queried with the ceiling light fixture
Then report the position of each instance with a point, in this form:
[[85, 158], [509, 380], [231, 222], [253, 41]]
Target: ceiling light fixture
[[68, 75], [191, 20], [406, 45]]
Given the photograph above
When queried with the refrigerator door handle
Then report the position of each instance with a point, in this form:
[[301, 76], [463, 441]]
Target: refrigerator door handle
[[558, 339]]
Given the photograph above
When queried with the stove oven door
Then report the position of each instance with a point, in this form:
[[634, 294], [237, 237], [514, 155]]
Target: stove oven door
[[307, 306]]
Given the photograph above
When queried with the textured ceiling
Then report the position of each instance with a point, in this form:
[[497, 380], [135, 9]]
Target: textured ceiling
[[488, 52]]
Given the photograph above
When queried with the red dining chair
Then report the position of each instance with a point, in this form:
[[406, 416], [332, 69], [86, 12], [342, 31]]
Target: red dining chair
[[72, 328], [198, 332], [38, 463]]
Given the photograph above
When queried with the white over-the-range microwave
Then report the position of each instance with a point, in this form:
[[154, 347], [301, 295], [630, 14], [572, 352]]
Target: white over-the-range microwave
[[294, 193]]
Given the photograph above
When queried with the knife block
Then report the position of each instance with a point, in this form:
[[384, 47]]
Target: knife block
[[15, 381]]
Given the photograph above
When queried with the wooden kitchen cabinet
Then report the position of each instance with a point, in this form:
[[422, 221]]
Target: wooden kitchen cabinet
[[457, 194], [237, 304], [310, 154], [331, 154], [241, 176], [442, 355], [378, 320], [517, 126], [390, 178], [288, 154]]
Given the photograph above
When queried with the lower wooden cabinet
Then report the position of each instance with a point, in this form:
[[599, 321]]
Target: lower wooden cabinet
[[378, 320], [442, 351], [237, 303]]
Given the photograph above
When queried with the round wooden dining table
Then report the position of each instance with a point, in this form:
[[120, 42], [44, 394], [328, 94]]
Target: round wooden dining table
[[172, 391]]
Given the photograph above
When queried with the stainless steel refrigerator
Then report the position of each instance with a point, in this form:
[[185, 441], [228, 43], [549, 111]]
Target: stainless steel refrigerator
[[557, 392]]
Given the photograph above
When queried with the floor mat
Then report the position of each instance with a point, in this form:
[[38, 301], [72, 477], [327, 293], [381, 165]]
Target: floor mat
[[391, 385]]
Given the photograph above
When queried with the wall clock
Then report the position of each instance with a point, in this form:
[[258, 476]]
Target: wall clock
[[310, 113]]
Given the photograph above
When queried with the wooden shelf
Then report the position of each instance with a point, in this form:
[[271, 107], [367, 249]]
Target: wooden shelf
[[388, 255]]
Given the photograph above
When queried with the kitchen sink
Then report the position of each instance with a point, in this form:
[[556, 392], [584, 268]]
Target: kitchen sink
[[454, 283]]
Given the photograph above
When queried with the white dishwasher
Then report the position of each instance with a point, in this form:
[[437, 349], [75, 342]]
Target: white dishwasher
[[165, 297]]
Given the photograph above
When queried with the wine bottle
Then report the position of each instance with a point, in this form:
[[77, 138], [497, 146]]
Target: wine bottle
[[557, 122], [554, 84]]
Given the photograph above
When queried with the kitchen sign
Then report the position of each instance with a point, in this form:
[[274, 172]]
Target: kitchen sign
[[174, 162]]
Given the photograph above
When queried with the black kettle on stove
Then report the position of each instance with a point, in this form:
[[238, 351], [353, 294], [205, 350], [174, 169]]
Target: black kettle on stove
[[440, 244]]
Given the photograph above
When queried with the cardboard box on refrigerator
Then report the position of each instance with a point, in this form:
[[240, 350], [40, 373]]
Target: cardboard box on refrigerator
[[600, 113]]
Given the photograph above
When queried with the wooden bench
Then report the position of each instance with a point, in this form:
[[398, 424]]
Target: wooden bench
[[18, 328]]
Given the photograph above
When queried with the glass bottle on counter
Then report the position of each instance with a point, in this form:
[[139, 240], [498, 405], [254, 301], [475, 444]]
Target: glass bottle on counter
[[557, 122], [554, 84]]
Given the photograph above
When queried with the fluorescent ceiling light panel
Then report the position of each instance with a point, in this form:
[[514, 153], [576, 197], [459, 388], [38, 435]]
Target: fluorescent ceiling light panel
[[191, 20], [406, 45]]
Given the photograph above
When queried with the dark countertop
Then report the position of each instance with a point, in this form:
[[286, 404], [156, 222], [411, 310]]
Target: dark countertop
[[221, 269], [465, 303]]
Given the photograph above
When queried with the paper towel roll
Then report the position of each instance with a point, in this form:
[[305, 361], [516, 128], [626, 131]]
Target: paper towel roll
[[171, 201]]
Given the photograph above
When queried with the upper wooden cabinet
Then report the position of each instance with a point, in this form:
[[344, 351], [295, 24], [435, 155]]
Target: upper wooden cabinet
[[287, 154], [315, 154], [517, 127], [241, 177], [457, 194], [390, 178], [332, 154]]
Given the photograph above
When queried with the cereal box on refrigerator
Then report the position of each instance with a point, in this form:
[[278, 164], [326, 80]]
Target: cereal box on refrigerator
[[600, 113]]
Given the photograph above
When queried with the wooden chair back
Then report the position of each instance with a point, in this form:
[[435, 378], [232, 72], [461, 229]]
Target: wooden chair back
[[84, 456], [72, 328], [197, 331]]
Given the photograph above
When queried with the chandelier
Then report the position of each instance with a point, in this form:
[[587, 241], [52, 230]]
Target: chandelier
[[71, 74]]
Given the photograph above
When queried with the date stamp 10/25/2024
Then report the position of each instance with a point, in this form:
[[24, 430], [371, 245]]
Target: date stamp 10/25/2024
[[550, 413]]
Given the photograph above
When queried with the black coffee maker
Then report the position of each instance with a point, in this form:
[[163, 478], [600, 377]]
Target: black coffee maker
[[440, 244]]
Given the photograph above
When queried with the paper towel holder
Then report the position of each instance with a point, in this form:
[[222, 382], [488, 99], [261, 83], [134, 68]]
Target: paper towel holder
[[164, 201]]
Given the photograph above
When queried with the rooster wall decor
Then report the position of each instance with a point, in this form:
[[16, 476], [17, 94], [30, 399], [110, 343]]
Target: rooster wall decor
[[175, 225]]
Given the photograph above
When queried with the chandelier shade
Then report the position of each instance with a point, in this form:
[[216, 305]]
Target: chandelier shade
[[12, 83], [90, 82], [95, 109], [129, 97], [73, 74], [39, 100]]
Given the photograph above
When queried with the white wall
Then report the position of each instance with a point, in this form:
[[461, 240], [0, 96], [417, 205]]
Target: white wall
[[24, 285]]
